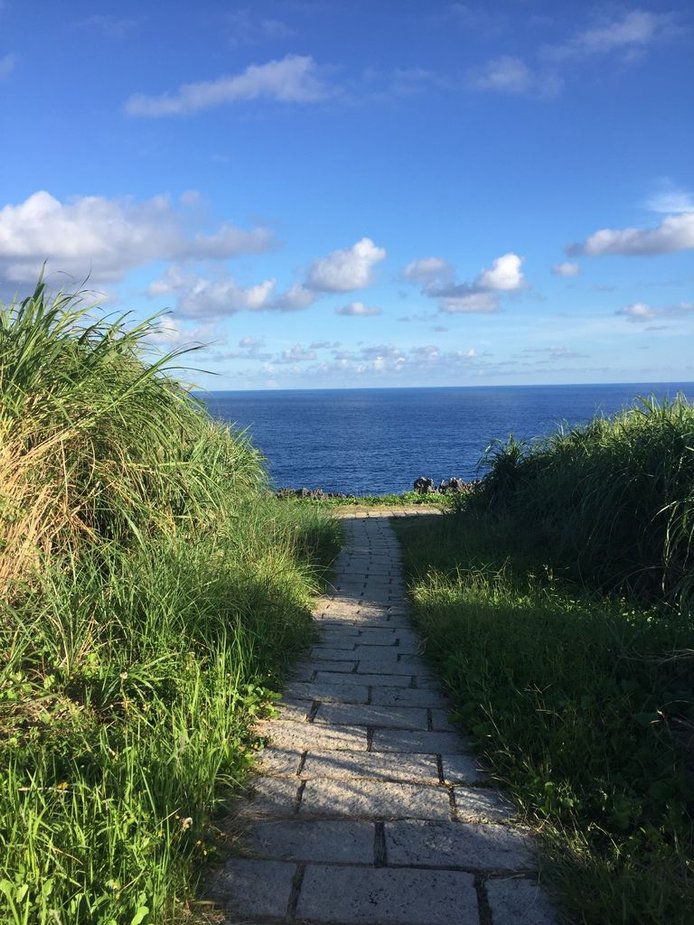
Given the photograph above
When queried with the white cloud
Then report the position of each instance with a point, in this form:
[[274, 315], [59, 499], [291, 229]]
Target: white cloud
[[567, 268], [513, 76], [357, 308], [674, 233], [105, 238], [345, 270], [296, 354], [472, 303], [635, 30], [505, 74], [640, 313], [428, 269], [669, 199], [205, 297], [482, 295], [505, 274], [294, 79], [7, 65]]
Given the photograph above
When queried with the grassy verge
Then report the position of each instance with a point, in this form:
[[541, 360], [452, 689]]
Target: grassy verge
[[580, 701], [152, 591]]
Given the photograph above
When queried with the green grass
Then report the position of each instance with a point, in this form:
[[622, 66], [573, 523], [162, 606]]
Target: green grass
[[405, 499], [152, 594], [581, 704], [614, 499]]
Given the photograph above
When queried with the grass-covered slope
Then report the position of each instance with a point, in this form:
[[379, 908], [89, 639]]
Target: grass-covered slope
[[582, 702], [614, 500], [151, 589]]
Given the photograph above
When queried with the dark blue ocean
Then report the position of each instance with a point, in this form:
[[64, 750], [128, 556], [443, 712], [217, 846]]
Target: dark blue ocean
[[378, 441]]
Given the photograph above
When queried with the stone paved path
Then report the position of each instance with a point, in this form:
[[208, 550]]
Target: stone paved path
[[369, 807]]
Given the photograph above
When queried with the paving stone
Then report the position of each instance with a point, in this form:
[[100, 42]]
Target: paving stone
[[248, 887], [358, 715], [403, 740], [315, 840], [307, 736], [462, 769], [374, 799], [393, 680], [441, 722], [270, 796], [348, 692], [324, 664], [334, 653], [454, 844], [375, 765], [518, 901], [365, 896], [279, 762], [482, 805], [295, 710], [406, 696], [388, 665], [380, 637]]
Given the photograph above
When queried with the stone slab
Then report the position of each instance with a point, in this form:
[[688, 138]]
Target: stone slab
[[519, 902], [270, 796], [372, 715], [386, 665], [304, 736], [334, 653], [406, 696], [249, 887], [365, 896], [331, 664], [393, 680], [454, 844], [279, 762], [441, 722], [349, 691], [482, 805], [374, 765], [403, 740], [374, 799], [462, 769], [314, 840]]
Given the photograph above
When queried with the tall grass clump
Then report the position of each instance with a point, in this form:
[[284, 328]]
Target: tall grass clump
[[151, 592], [614, 499]]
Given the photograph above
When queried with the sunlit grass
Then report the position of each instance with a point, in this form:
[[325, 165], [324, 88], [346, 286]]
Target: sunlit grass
[[152, 591]]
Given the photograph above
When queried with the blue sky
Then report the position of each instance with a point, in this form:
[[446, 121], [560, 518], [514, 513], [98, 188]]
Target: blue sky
[[340, 193]]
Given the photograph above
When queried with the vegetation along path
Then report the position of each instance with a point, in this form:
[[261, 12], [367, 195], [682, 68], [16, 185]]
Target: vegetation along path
[[369, 807]]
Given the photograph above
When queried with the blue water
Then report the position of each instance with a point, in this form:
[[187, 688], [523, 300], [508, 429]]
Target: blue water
[[377, 441]]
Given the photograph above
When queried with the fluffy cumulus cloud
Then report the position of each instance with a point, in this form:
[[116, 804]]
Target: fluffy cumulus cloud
[[567, 268], [357, 308], [504, 274], [106, 238], [674, 233], [212, 297], [436, 277], [293, 79], [345, 270]]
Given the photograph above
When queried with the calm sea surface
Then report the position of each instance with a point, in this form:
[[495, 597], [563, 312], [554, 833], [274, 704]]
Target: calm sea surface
[[376, 441]]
